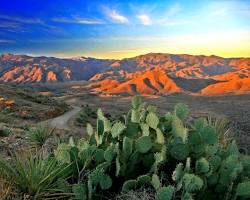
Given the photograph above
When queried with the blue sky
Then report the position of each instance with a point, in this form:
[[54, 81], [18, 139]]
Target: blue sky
[[118, 29]]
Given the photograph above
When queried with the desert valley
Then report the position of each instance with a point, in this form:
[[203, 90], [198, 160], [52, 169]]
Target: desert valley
[[44, 100], [125, 100]]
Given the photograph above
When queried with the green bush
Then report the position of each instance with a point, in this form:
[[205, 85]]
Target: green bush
[[39, 134], [85, 116]]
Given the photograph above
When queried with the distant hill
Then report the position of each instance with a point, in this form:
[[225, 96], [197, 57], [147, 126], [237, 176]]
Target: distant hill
[[153, 73], [19, 105]]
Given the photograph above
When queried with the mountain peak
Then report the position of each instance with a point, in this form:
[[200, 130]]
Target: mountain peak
[[79, 58]]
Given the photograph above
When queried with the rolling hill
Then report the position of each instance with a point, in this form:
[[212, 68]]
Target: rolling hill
[[153, 73]]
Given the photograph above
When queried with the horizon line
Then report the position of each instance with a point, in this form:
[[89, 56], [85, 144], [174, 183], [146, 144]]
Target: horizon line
[[103, 58]]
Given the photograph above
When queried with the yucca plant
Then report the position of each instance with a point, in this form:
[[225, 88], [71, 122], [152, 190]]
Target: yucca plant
[[221, 127], [39, 134], [34, 175]]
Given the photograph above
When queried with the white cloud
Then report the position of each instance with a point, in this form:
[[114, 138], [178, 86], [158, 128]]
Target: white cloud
[[7, 24], [6, 41], [22, 20], [115, 16], [145, 19], [76, 20]]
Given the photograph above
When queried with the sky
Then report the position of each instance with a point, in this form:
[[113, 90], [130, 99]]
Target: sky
[[121, 29]]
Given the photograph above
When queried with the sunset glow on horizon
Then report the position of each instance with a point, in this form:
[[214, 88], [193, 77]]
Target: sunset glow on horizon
[[122, 29]]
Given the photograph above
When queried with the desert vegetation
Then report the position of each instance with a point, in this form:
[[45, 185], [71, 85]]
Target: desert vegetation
[[86, 115], [20, 106], [141, 154]]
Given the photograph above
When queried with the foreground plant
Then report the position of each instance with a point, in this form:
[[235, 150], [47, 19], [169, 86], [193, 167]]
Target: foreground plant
[[179, 160], [5, 188], [40, 134], [4, 132], [36, 176]]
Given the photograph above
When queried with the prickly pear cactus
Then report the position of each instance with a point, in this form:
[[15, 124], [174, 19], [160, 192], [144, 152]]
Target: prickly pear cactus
[[143, 144], [136, 102], [152, 120], [165, 193], [117, 129], [177, 159]]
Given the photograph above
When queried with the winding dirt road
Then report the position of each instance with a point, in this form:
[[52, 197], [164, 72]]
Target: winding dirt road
[[61, 122]]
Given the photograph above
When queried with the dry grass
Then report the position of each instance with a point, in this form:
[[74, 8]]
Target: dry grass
[[144, 194], [5, 188]]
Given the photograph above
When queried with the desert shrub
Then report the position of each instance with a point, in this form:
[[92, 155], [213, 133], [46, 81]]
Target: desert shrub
[[6, 110], [5, 132], [37, 175], [39, 134], [41, 99], [177, 158], [85, 116], [62, 104], [38, 98]]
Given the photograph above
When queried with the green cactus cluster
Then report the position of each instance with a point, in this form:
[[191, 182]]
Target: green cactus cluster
[[176, 158]]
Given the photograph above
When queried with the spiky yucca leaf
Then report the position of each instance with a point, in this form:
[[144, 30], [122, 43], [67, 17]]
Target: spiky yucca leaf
[[35, 175], [40, 134], [181, 110]]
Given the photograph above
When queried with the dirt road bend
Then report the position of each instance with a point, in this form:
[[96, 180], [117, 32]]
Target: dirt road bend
[[61, 122]]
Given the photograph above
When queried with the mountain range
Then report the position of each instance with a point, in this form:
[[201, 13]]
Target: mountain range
[[153, 73]]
